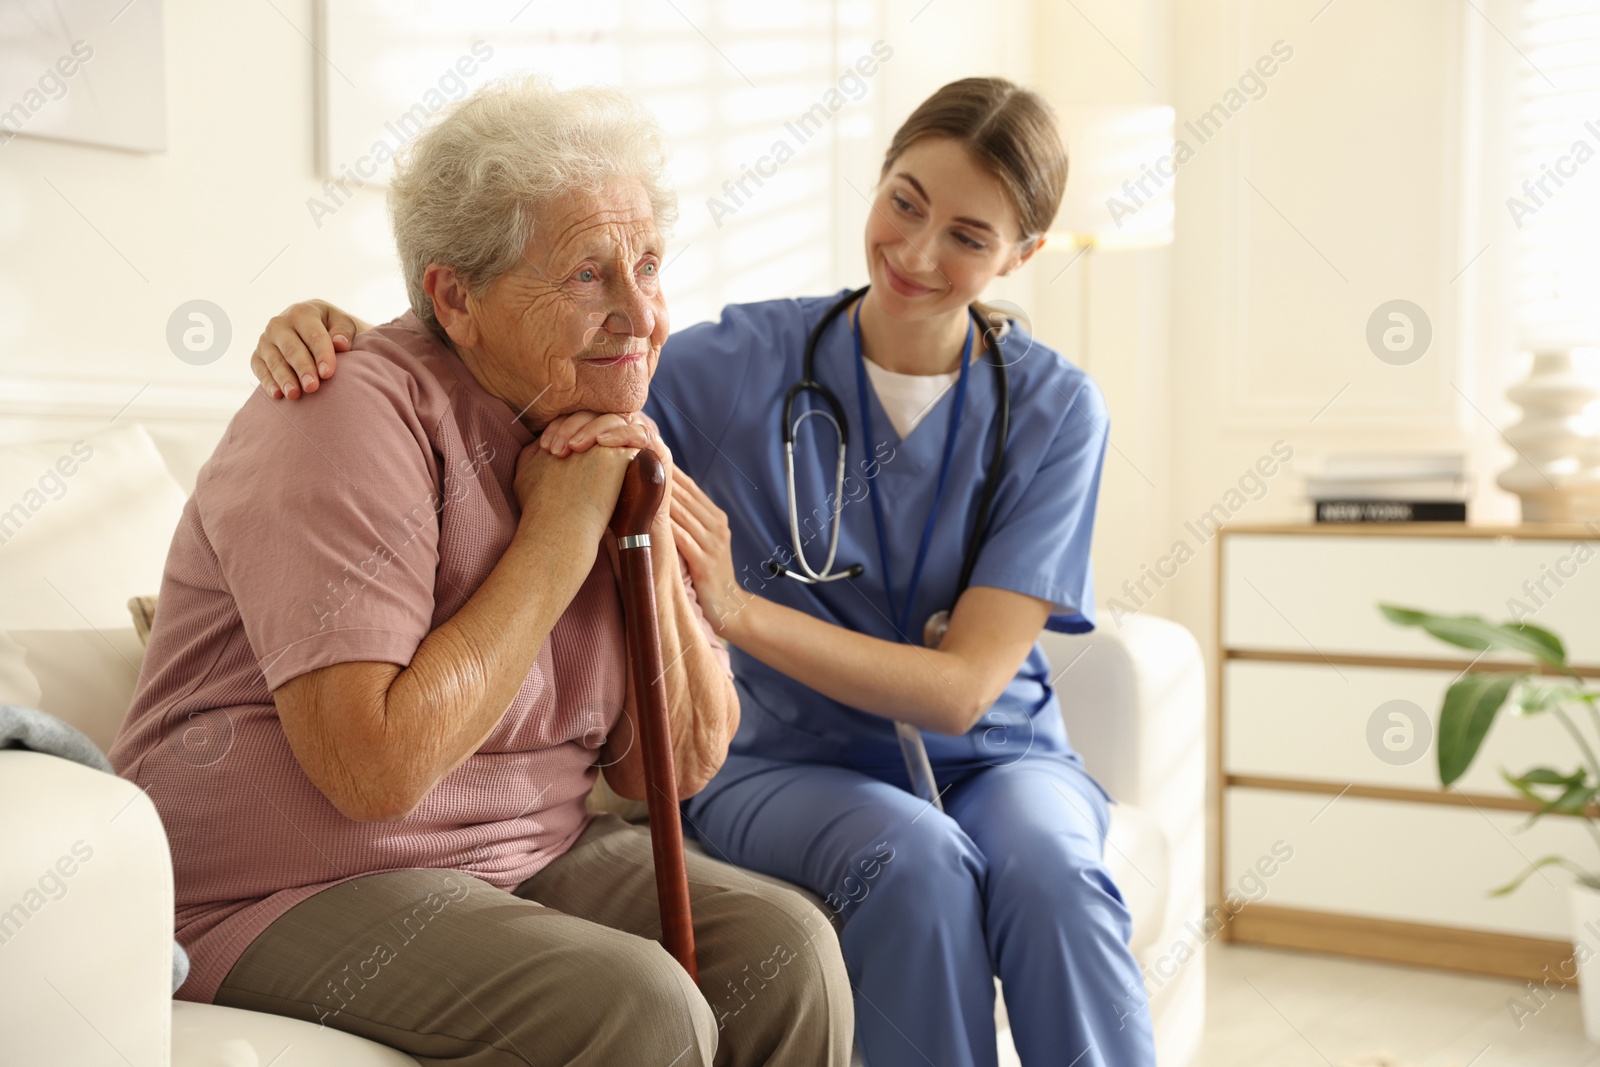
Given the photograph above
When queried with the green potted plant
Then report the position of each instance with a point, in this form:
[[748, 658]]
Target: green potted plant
[[1546, 686]]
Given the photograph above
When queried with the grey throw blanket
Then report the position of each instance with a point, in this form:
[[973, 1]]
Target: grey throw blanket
[[38, 732]]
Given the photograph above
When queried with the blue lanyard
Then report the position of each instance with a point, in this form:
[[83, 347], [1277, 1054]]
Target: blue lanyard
[[901, 616]]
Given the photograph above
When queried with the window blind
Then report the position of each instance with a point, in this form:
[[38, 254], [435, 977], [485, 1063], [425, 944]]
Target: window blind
[[757, 102], [1555, 202]]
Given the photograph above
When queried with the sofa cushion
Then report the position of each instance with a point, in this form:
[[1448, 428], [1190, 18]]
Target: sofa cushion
[[84, 677], [84, 525], [209, 1035], [143, 611], [18, 687]]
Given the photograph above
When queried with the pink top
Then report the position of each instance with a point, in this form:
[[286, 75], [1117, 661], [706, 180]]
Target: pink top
[[344, 527]]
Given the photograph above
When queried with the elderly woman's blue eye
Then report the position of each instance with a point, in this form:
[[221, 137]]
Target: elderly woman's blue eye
[[586, 275], [648, 268]]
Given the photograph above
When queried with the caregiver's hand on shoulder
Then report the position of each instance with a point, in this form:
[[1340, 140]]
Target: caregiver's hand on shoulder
[[706, 544], [300, 347]]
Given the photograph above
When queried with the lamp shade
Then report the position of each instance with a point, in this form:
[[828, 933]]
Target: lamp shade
[[1120, 176]]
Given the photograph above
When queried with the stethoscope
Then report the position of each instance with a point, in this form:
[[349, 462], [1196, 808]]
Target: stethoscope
[[933, 631]]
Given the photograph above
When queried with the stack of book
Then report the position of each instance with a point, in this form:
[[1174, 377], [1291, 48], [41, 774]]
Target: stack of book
[[1391, 487]]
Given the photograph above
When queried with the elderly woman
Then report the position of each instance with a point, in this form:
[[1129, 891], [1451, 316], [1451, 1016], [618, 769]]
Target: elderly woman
[[388, 662]]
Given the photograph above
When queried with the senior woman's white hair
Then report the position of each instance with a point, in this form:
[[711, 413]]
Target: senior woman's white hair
[[466, 190]]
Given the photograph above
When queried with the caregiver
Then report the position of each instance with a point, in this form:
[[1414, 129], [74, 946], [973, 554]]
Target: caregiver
[[838, 620]]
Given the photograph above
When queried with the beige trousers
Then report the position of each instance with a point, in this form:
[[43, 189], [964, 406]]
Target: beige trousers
[[565, 970]]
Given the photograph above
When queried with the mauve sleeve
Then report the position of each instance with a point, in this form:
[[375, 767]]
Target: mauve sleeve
[[323, 513]]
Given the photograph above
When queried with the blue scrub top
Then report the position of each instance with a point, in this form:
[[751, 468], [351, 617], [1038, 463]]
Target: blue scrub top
[[717, 397]]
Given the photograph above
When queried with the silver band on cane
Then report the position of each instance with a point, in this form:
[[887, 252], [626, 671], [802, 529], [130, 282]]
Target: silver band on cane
[[634, 541]]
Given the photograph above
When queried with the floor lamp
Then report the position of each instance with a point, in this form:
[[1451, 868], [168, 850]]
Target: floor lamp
[[1122, 166]]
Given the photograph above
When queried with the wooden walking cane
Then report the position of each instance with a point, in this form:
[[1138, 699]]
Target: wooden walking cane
[[643, 487]]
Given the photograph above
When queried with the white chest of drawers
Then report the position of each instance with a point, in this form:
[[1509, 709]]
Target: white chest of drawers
[[1325, 743]]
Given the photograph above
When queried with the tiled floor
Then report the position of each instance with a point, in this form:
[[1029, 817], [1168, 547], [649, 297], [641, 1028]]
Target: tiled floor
[[1271, 1008]]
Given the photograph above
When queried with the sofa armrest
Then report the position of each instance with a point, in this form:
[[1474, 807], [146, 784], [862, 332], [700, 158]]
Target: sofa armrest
[[1134, 703], [86, 916]]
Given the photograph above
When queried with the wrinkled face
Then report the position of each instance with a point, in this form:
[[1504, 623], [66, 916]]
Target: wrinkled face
[[579, 325], [940, 229]]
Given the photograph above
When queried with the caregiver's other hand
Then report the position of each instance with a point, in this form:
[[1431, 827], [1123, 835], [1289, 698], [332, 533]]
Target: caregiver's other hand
[[706, 544], [300, 347]]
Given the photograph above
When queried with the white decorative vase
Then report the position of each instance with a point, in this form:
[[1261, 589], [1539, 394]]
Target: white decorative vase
[[1586, 947], [1557, 472]]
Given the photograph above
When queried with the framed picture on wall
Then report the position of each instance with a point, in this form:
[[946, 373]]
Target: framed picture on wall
[[88, 71]]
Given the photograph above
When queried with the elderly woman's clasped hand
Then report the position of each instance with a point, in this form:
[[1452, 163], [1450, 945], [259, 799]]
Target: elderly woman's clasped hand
[[597, 448], [688, 519]]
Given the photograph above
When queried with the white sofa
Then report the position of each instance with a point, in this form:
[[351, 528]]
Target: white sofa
[[84, 958]]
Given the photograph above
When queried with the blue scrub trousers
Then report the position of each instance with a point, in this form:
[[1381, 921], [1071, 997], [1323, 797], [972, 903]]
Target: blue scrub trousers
[[1007, 881]]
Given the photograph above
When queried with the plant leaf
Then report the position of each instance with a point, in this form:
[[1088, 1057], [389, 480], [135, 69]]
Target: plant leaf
[[1572, 802], [1402, 616], [1470, 705], [1546, 776], [1521, 785], [1558, 651], [1528, 784], [1548, 861], [1574, 798], [1479, 634], [1541, 694]]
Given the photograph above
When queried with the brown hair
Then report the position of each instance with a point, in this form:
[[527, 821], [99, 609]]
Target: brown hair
[[1009, 130]]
